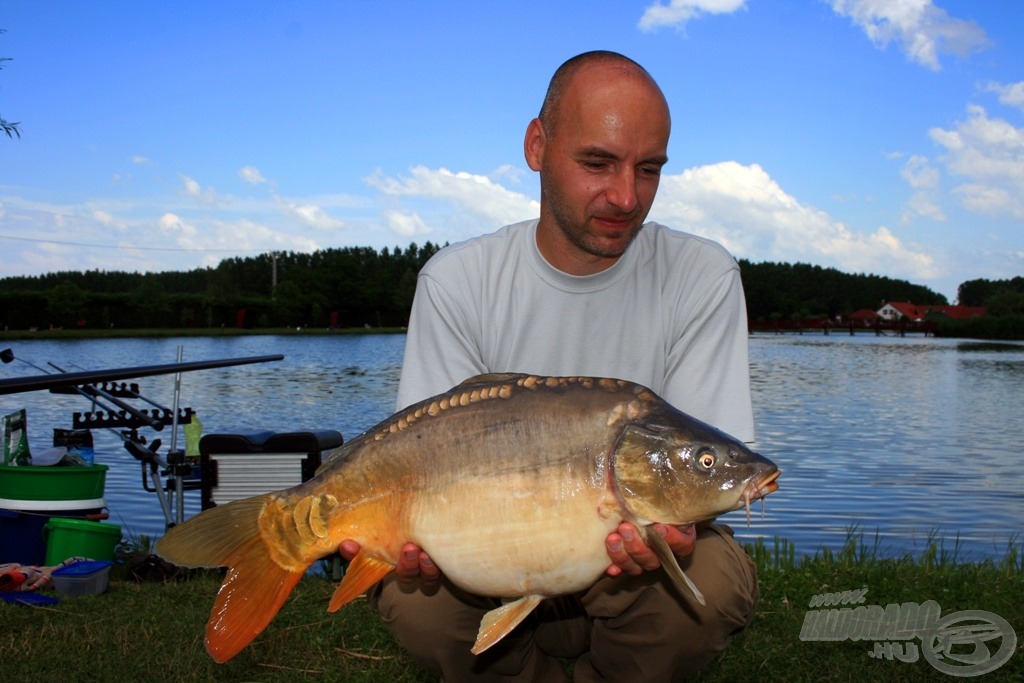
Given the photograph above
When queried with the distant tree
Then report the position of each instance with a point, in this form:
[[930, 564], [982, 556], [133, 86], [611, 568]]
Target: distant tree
[[66, 303], [1005, 302], [10, 128], [150, 305], [980, 292]]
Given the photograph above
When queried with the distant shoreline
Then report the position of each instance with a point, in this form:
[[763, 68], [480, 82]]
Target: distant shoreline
[[87, 333]]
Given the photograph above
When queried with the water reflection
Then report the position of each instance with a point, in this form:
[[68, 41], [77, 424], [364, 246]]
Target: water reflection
[[903, 437]]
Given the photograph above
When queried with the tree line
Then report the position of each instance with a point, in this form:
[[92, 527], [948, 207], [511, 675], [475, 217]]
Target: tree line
[[360, 286], [343, 287]]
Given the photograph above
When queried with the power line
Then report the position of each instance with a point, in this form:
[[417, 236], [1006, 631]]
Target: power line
[[113, 246]]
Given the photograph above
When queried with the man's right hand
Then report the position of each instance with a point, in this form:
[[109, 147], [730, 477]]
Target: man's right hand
[[414, 565]]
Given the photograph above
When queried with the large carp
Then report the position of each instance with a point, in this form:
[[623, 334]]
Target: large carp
[[509, 482]]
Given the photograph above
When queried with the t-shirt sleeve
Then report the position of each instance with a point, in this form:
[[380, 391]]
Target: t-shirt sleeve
[[708, 373], [440, 348]]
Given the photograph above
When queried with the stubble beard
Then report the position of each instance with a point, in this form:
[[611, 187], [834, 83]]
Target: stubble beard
[[576, 231]]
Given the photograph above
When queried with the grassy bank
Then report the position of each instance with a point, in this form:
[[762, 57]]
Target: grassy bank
[[144, 632]]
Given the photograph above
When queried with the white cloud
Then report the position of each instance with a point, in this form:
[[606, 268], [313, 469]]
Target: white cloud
[[924, 179], [678, 12], [491, 204], [139, 159], [312, 215], [1011, 94], [105, 219], [744, 209], [922, 30], [175, 226], [989, 154], [920, 174], [194, 190], [251, 175], [406, 225]]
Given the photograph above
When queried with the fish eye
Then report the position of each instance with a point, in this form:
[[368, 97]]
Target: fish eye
[[706, 460]]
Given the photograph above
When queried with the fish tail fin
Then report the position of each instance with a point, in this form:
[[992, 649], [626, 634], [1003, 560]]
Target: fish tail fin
[[251, 595], [255, 586]]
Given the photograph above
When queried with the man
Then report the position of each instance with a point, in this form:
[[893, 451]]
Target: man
[[587, 289]]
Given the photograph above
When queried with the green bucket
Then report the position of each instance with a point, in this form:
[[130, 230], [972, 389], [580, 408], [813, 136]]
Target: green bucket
[[56, 482], [79, 538]]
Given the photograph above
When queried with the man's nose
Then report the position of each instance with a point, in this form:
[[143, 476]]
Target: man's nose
[[621, 191]]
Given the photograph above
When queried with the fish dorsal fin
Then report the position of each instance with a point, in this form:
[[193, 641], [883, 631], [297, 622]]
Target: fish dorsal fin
[[499, 622], [362, 574], [491, 378], [671, 563]]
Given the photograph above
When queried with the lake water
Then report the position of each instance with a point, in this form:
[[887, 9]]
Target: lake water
[[901, 438]]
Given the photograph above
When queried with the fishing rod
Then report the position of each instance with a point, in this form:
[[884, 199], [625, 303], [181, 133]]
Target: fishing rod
[[16, 385], [83, 383], [94, 391]]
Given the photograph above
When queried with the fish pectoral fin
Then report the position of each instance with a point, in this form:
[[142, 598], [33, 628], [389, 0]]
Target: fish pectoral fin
[[671, 564], [362, 574], [499, 622]]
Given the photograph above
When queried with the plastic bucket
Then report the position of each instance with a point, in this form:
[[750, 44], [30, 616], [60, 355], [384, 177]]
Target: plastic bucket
[[57, 482], [80, 538], [22, 536]]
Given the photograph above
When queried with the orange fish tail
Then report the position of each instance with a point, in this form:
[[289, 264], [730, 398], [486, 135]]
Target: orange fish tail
[[255, 586], [252, 593]]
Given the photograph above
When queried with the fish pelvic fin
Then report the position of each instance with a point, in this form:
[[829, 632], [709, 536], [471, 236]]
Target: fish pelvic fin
[[671, 564], [363, 573], [255, 586], [499, 622]]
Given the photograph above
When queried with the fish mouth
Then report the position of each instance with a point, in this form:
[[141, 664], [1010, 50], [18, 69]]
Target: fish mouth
[[759, 489]]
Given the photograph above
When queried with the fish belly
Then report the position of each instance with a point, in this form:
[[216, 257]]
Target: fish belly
[[516, 534]]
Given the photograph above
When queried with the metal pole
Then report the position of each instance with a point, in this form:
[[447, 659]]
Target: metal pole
[[179, 485]]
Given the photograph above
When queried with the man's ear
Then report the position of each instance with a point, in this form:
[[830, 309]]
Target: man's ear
[[534, 144]]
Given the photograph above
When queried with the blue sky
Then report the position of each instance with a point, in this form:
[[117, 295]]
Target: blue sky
[[872, 136]]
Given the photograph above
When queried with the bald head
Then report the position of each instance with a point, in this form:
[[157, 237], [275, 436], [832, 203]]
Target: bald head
[[610, 64]]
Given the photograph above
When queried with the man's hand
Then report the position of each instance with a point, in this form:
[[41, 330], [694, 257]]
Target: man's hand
[[414, 565], [630, 555]]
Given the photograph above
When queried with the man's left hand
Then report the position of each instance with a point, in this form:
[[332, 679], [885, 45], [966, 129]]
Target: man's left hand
[[630, 555]]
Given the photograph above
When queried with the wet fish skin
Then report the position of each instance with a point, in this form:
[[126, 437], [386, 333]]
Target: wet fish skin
[[510, 482]]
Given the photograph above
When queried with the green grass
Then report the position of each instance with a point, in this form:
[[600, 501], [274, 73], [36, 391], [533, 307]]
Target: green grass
[[146, 632]]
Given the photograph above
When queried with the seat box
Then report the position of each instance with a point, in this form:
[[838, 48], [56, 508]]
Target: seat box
[[246, 464]]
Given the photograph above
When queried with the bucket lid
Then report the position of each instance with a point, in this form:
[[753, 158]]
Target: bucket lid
[[82, 525], [82, 568]]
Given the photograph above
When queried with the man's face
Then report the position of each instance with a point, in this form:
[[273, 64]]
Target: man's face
[[600, 169]]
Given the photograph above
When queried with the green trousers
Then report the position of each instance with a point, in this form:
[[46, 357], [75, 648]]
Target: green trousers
[[626, 628]]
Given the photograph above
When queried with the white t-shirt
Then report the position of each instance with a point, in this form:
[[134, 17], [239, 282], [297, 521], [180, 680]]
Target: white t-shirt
[[669, 315]]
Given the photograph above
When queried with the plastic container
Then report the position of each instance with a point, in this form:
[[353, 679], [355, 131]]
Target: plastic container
[[28, 598], [80, 538], [82, 578], [45, 484], [22, 535]]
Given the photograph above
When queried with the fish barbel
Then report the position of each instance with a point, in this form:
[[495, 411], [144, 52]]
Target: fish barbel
[[509, 482]]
